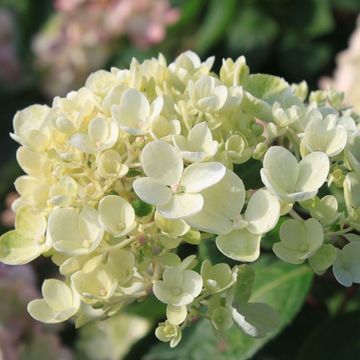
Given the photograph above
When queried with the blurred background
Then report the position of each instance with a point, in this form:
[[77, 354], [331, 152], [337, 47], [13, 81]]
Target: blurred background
[[48, 48]]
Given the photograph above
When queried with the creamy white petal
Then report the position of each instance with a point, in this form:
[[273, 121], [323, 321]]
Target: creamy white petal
[[313, 171], [239, 245], [222, 202], [162, 162], [181, 206], [151, 191], [281, 168], [198, 177], [262, 212]]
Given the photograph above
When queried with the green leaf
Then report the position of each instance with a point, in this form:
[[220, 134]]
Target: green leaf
[[335, 339], [282, 286], [189, 10], [244, 284], [218, 16], [255, 319], [252, 34], [322, 19], [266, 87]]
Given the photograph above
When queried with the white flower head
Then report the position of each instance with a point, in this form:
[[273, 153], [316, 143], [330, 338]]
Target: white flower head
[[74, 233], [32, 128], [346, 268], [291, 181], [102, 134], [173, 190], [210, 96], [199, 144], [59, 302], [299, 241], [179, 287], [135, 115], [116, 215], [324, 134]]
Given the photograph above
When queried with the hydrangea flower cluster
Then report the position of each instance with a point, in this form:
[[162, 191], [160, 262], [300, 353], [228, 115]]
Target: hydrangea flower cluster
[[123, 172]]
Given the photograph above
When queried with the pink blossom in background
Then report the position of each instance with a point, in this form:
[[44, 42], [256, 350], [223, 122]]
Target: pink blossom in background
[[346, 76], [82, 34], [22, 337], [9, 63], [7, 217]]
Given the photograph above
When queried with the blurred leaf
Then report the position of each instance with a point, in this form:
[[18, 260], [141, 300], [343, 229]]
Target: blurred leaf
[[299, 60], [347, 5], [217, 18], [280, 285], [110, 339], [252, 34], [244, 284], [322, 18], [311, 18], [188, 9], [335, 339]]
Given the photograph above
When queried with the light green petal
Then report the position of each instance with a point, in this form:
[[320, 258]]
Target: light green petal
[[337, 141], [176, 314], [171, 227], [323, 258], [287, 254], [173, 276], [262, 212], [198, 177], [181, 206], [30, 224], [199, 136], [274, 188], [239, 245], [347, 264], [74, 233], [313, 171], [281, 168], [192, 283], [151, 191], [221, 318], [162, 162], [116, 215], [352, 190], [342, 275], [315, 234], [135, 102], [293, 234], [162, 292], [57, 294], [33, 162], [15, 249], [222, 202], [41, 311]]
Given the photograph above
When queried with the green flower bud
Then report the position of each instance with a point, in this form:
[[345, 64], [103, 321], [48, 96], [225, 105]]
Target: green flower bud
[[168, 332], [221, 318]]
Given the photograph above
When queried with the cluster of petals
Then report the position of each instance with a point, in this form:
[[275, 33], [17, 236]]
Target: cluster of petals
[[123, 172]]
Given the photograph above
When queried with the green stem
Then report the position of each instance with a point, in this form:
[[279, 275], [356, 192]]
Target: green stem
[[340, 232]]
